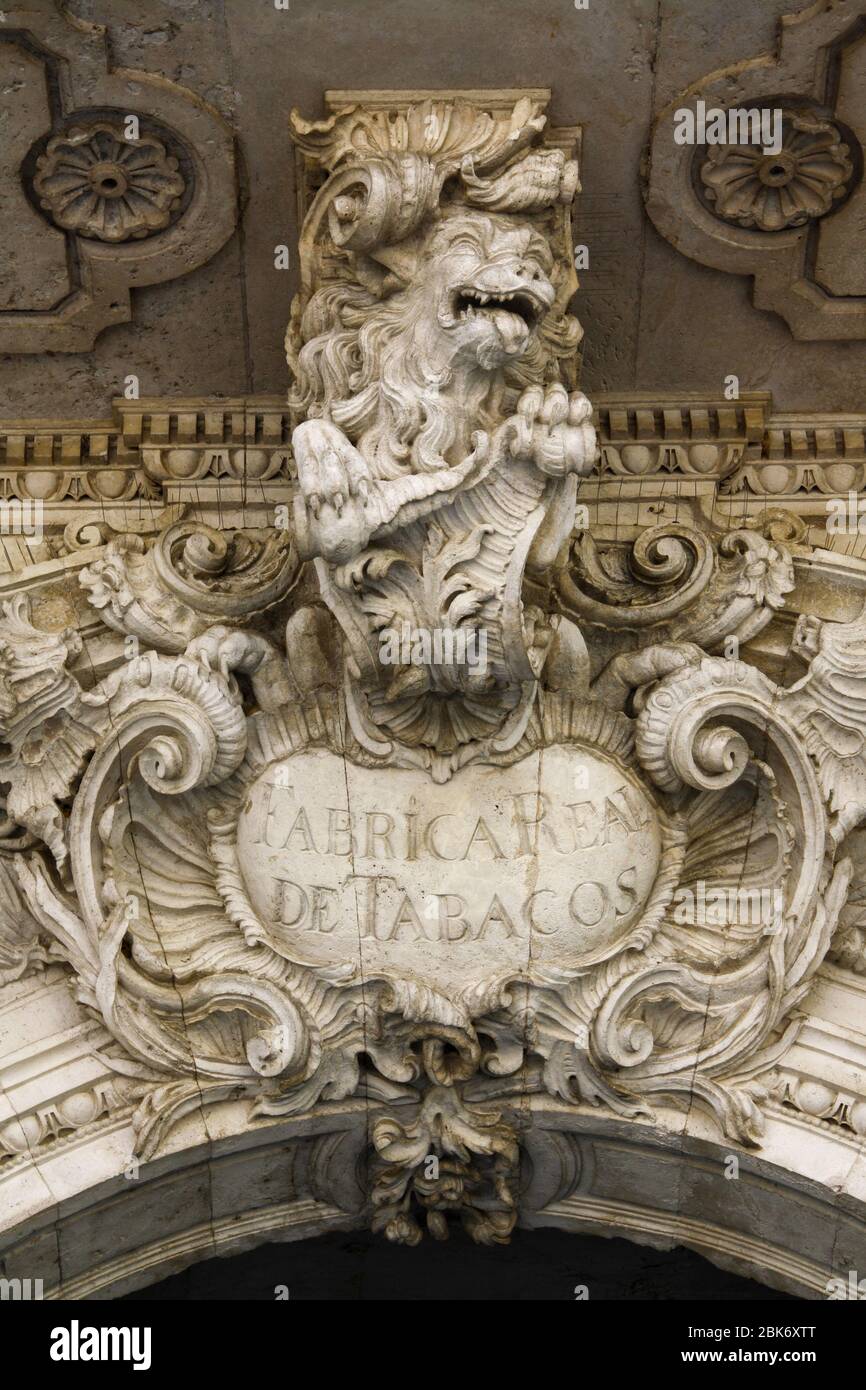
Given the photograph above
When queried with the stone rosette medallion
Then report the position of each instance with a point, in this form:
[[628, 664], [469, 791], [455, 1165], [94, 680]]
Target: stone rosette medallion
[[288, 872], [99, 184]]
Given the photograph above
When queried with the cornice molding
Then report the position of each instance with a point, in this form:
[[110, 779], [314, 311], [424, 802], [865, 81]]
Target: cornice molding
[[739, 461]]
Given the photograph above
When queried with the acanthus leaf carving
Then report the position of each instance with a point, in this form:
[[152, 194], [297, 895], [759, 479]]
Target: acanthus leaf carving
[[187, 579], [829, 702]]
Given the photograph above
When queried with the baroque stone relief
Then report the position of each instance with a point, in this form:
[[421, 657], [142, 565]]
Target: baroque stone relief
[[786, 214], [121, 179], [98, 183], [294, 852], [787, 188]]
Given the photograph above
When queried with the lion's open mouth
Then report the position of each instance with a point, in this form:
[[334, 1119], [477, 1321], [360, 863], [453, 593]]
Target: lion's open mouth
[[470, 303]]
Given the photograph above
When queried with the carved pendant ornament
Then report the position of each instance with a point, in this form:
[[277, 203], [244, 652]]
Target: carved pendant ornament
[[430, 798]]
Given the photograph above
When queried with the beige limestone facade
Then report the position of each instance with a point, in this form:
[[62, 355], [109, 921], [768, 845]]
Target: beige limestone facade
[[433, 636]]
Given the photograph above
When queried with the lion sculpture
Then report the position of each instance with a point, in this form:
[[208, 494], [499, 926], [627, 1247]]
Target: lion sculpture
[[438, 452]]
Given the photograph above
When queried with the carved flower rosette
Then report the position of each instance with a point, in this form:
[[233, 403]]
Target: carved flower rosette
[[98, 182], [804, 179]]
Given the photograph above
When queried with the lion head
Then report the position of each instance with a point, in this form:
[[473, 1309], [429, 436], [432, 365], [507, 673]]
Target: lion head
[[403, 363], [486, 287]]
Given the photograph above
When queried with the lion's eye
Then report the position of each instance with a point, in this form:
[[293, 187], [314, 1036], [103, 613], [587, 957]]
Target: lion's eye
[[464, 241]]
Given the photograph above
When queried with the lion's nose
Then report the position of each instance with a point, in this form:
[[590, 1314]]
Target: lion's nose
[[500, 277], [504, 279]]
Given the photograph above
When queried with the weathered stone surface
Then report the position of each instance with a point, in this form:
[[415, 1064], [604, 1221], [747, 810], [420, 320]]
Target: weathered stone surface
[[136, 172], [448, 878], [808, 275], [649, 307], [313, 915]]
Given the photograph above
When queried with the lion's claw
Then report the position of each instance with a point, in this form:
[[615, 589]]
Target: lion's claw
[[554, 430], [331, 471]]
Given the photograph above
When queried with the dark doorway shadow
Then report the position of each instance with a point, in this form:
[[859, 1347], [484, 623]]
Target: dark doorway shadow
[[541, 1264]]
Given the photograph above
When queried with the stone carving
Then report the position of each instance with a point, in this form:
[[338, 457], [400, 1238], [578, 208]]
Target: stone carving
[[97, 183], [22, 951], [788, 188], [294, 854], [111, 177], [189, 581], [733, 458], [457, 411], [476, 1179], [821, 1104], [676, 582], [76, 1112], [829, 707], [789, 218]]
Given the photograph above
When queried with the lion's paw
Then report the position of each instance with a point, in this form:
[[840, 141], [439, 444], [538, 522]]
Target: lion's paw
[[556, 430], [227, 649], [331, 471]]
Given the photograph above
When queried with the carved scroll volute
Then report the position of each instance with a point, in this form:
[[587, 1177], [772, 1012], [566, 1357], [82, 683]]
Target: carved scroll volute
[[682, 584], [174, 724], [371, 206], [381, 201], [661, 557], [700, 728]]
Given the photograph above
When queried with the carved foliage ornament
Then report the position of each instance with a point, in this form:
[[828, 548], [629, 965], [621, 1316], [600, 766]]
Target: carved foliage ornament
[[286, 869]]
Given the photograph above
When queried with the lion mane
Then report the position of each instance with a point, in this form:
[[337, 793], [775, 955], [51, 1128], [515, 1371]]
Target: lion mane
[[356, 360]]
